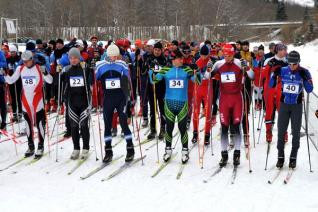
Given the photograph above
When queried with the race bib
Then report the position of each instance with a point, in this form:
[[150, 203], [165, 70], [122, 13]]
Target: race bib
[[157, 68], [76, 81], [175, 83], [227, 77], [29, 81], [113, 83], [291, 88]]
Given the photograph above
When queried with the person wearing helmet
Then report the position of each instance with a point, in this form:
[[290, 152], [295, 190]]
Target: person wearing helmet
[[295, 79], [15, 88], [114, 77], [272, 95], [231, 72], [176, 102], [33, 76], [3, 106]]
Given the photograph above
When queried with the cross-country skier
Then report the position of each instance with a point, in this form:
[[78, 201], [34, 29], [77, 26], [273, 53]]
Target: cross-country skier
[[77, 77], [294, 80], [231, 72], [33, 77], [114, 77], [176, 100]]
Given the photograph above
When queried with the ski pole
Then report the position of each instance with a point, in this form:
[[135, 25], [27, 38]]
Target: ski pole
[[306, 119], [155, 107], [11, 114], [98, 118], [57, 117], [260, 131], [89, 110]]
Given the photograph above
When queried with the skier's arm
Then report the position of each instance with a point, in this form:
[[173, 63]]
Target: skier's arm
[[15, 76], [46, 75], [307, 80], [273, 79]]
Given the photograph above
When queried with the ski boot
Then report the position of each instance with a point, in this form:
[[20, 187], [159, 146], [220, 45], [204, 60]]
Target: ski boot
[[75, 154], [152, 135], [195, 137], [39, 152], [29, 152], [224, 159], [114, 132], [108, 155], [236, 157], [185, 155], [3, 126], [292, 162], [130, 153], [167, 155], [280, 162], [85, 154], [207, 139]]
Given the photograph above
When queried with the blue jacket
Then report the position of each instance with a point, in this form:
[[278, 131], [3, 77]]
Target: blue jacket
[[176, 80], [293, 84], [3, 65]]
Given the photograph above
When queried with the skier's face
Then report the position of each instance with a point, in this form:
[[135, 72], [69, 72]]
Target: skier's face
[[74, 61], [261, 53], [157, 52], [228, 58], [28, 63], [177, 62], [293, 66], [282, 53]]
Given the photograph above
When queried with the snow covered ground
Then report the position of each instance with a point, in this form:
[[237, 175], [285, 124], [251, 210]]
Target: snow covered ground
[[46, 186], [308, 3]]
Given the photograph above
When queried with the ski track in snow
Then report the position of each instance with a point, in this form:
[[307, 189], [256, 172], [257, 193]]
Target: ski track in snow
[[46, 186]]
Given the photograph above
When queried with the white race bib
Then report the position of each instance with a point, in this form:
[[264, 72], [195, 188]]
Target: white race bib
[[76, 81], [227, 77], [176, 83], [291, 88], [112, 83], [29, 81]]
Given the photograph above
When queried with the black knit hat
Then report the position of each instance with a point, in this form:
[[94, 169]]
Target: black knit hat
[[175, 42], [59, 41], [261, 47], [158, 45], [293, 57], [39, 41], [204, 50]]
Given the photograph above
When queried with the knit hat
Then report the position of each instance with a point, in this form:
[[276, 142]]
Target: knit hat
[[280, 47], [30, 46], [60, 41], [228, 50], [204, 50], [158, 45], [261, 47], [113, 51], [74, 52], [39, 41], [13, 48], [175, 42], [293, 57], [272, 45], [27, 55], [245, 43], [151, 42]]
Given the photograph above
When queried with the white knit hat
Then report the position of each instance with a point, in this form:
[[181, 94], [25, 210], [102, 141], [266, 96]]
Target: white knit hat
[[151, 42], [74, 52], [113, 51], [13, 48], [27, 55]]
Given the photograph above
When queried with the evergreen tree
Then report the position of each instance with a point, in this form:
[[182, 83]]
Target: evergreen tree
[[281, 12]]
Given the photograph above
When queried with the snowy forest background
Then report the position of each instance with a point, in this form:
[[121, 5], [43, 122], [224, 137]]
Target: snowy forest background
[[181, 19]]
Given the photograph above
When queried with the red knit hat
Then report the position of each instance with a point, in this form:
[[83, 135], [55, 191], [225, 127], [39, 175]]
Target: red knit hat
[[228, 50]]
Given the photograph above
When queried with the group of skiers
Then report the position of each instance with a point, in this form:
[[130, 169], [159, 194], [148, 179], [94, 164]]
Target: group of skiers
[[175, 80]]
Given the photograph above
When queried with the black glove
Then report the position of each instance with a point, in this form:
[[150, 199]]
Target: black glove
[[243, 63], [316, 113]]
